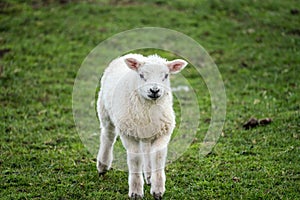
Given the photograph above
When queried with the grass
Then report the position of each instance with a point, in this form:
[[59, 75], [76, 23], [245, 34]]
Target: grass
[[255, 44]]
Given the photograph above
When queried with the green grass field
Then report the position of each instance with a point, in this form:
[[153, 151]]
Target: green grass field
[[256, 45]]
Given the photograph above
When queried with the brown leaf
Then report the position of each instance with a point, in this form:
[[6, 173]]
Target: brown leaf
[[251, 123], [294, 11], [265, 121]]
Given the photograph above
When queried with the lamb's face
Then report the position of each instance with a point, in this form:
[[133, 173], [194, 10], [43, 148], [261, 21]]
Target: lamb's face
[[153, 81], [153, 75]]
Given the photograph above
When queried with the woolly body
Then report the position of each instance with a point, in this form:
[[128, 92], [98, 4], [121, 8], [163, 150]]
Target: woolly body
[[131, 113]]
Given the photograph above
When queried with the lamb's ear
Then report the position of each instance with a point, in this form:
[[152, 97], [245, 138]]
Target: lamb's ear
[[133, 64], [176, 66]]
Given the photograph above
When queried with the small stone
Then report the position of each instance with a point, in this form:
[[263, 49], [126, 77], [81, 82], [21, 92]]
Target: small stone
[[236, 179], [223, 134]]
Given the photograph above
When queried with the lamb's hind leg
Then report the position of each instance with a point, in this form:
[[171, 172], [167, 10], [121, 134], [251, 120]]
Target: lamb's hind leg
[[107, 140]]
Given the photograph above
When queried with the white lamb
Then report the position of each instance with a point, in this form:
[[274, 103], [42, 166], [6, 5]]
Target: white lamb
[[135, 102]]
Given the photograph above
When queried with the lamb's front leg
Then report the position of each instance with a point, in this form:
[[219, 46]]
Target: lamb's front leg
[[158, 157], [134, 161], [158, 177]]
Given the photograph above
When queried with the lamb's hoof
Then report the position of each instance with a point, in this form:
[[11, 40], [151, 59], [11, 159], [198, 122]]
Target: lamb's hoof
[[157, 196], [102, 168], [135, 196], [102, 173]]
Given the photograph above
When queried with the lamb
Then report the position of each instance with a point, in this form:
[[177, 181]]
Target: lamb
[[135, 102]]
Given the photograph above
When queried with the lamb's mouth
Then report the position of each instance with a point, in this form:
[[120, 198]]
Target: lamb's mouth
[[154, 96]]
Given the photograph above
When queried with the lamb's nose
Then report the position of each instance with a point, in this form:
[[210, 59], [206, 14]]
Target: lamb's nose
[[154, 90]]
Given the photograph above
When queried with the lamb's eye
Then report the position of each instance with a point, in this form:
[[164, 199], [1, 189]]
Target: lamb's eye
[[166, 76], [142, 76]]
